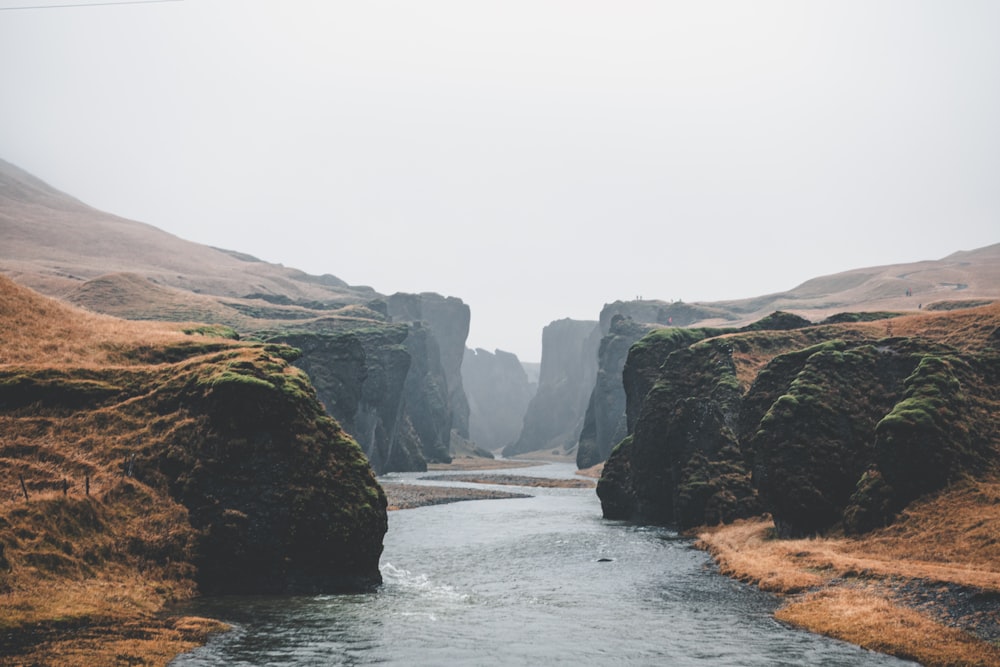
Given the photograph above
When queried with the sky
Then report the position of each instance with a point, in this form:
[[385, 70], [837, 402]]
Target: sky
[[537, 159]]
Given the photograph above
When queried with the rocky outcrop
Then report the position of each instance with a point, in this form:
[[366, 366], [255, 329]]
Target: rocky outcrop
[[861, 429], [360, 376], [283, 501], [499, 392], [623, 323], [681, 426], [393, 386], [198, 457], [555, 415], [426, 395], [821, 426], [443, 326]]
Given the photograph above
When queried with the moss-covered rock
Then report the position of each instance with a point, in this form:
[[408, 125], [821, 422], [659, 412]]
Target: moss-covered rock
[[838, 426], [211, 462]]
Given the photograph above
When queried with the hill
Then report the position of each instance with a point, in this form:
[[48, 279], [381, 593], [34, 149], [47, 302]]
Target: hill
[[140, 464], [961, 279], [54, 243]]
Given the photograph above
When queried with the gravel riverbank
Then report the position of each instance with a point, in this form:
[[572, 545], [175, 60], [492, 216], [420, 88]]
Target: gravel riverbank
[[408, 496]]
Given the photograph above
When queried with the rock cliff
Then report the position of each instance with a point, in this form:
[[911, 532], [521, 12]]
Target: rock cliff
[[554, 417], [622, 324], [499, 392], [822, 426], [448, 319], [359, 377]]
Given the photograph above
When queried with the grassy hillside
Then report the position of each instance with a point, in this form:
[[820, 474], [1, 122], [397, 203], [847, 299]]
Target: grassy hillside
[[133, 460]]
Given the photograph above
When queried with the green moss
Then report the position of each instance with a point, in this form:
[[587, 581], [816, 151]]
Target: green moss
[[676, 337], [214, 331], [624, 444], [232, 377], [286, 352], [841, 318], [931, 392], [926, 439]]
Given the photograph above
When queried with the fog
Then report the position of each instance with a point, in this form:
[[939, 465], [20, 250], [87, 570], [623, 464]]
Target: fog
[[537, 159]]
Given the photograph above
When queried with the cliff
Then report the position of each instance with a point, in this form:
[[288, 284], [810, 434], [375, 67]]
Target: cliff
[[359, 377], [499, 392], [554, 417], [822, 426], [623, 323], [173, 459], [448, 319]]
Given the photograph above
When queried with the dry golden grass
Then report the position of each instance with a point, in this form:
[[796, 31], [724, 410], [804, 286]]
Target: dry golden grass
[[83, 579], [849, 587], [45, 332], [870, 618]]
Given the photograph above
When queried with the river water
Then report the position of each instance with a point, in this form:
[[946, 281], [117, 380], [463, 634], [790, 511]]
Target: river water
[[534, 581]]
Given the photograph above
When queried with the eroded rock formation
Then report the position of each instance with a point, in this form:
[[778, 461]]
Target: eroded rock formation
[[360, 376], [555, 415], [820, 426], [499, 392], [436, 401]]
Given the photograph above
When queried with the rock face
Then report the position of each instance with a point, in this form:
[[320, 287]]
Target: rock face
[[283, 500], [436, 401], [554, 417], [823, 426], [499, 392], [360, 376], [623, 323]]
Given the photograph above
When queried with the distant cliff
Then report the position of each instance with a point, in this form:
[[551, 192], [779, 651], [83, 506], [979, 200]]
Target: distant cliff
[[499, 392], [554, 417], [822, 426]]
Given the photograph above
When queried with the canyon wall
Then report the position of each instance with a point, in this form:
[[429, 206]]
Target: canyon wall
[[822, 426], [499, 393], [554, 417]]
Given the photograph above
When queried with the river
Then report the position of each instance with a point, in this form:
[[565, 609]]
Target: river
[[533, 581]]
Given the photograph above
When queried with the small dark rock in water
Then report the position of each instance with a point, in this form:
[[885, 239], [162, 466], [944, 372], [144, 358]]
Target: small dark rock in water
[[605, 560]]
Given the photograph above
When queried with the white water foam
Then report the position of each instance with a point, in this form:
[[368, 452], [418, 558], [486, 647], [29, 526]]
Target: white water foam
[[418, 583]]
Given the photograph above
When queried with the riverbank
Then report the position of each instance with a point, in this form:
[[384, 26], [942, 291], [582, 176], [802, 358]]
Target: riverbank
[[402, 496], [476, 463], [96, 623], [926, 588], [516, 480], [410, 496]]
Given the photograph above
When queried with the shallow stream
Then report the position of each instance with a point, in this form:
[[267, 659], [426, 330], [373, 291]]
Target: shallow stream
[[533, 581]]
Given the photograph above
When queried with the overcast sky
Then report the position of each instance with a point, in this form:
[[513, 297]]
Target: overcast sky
[[537, 159]]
